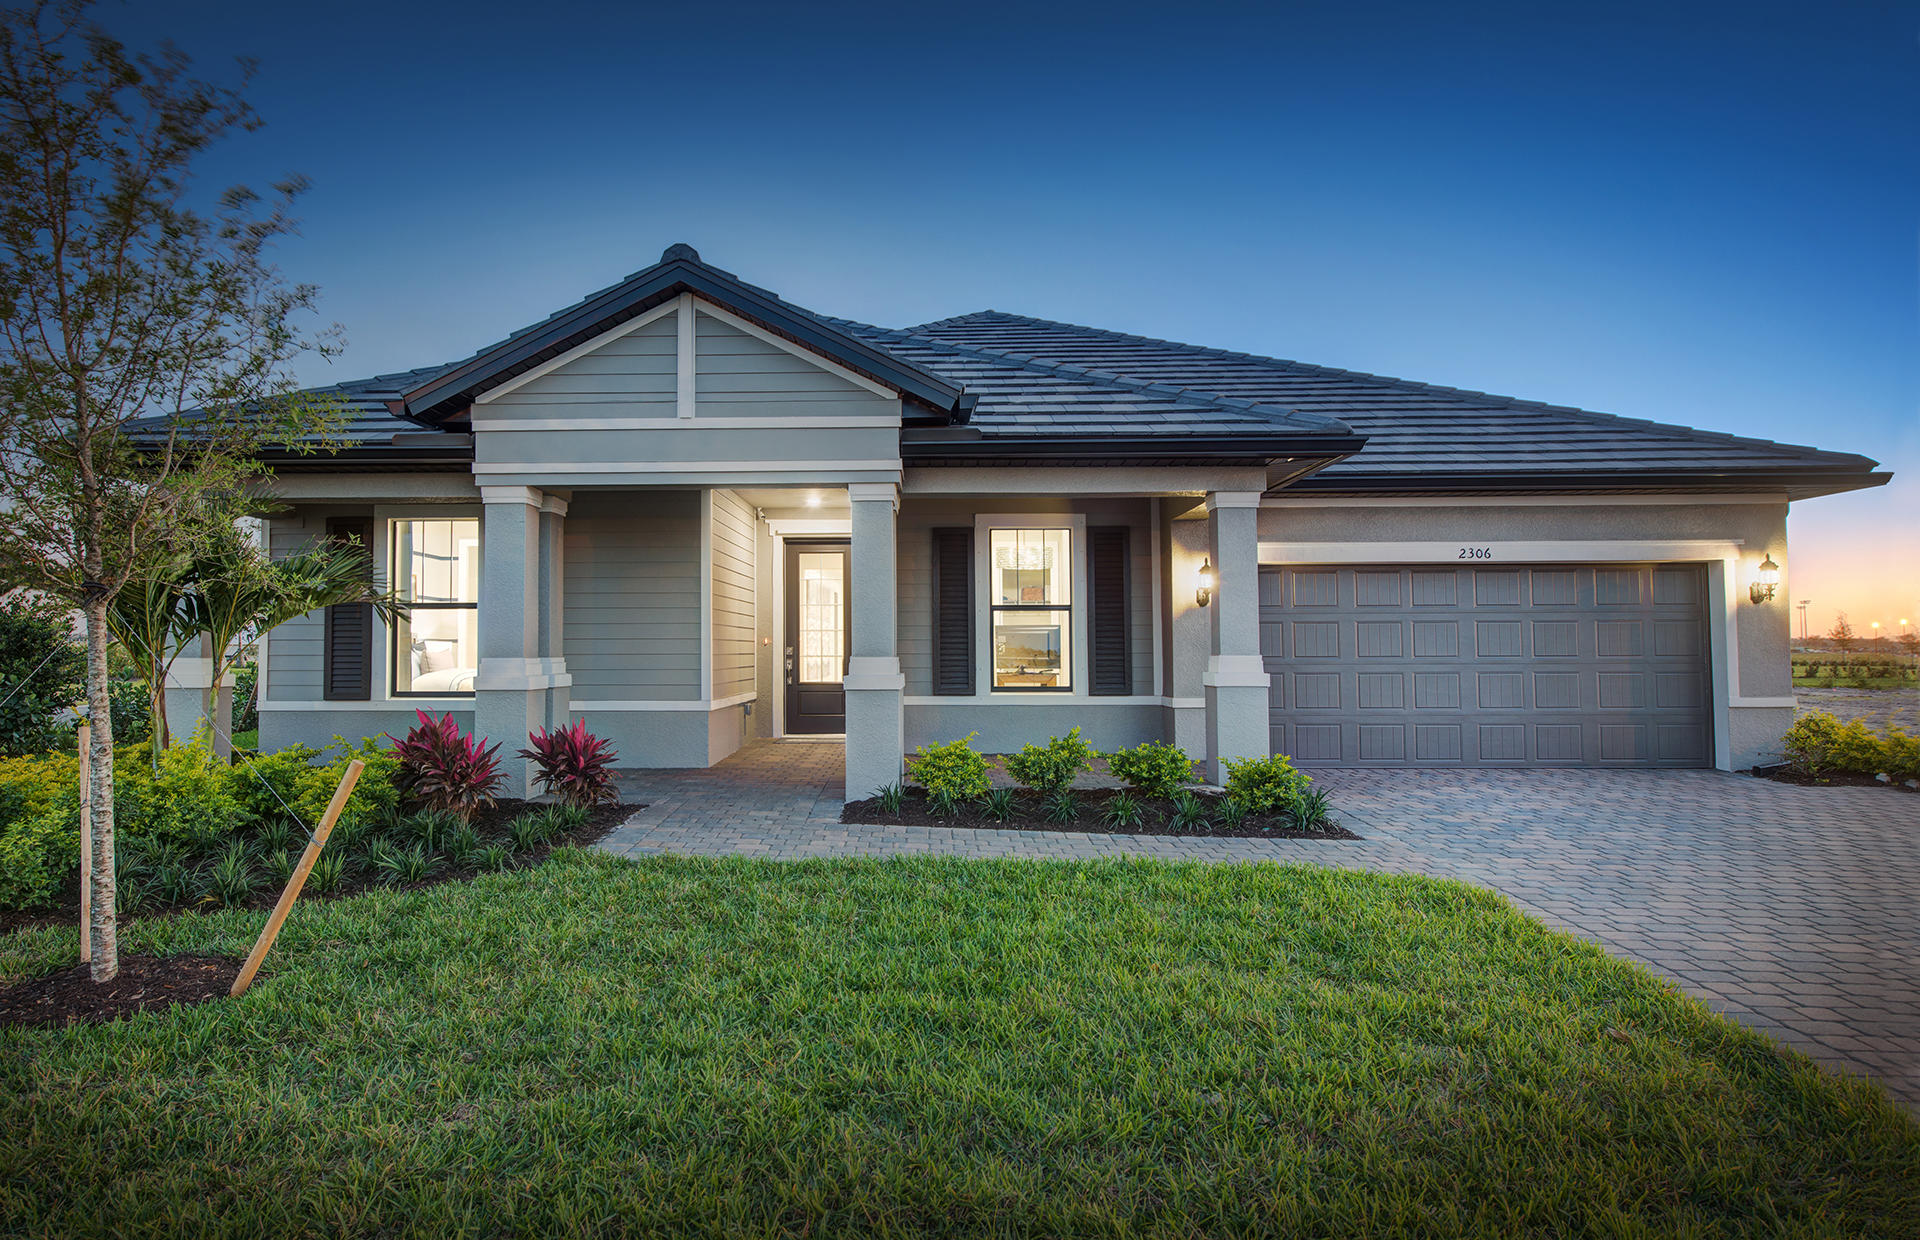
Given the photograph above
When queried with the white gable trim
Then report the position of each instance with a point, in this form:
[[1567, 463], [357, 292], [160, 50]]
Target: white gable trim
[[577, 352], [804, 354]]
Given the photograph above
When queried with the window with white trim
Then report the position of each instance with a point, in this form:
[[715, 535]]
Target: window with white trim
[[436, 572], [1030, 598]]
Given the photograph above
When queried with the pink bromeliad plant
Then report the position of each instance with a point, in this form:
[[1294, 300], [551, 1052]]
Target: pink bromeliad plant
[[573, 764], [446, 769]]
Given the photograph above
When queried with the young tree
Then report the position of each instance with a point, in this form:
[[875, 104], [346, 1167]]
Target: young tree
[[1842, 636], [127, 297]]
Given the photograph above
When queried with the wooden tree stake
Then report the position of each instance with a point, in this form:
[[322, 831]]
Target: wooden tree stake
[[285, 904], [85, 738]]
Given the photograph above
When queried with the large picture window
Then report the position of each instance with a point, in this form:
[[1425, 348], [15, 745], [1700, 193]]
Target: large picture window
[[1031, 598], [436, 570]]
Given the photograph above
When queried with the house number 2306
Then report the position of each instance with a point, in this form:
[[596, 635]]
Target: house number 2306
[[1476, 553]]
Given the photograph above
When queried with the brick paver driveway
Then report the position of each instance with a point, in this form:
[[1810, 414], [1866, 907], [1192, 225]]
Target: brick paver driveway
[[1796, 910]]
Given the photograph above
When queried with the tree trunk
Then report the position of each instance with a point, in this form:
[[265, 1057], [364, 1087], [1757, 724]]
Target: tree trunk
[[106, 944], [157, 709]]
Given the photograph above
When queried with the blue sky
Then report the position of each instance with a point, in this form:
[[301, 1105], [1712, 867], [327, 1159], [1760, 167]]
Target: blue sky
[[1694, 213]]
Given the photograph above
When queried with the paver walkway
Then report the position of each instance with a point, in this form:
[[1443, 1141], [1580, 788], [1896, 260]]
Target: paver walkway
[[1877, 707], [1796, 910]]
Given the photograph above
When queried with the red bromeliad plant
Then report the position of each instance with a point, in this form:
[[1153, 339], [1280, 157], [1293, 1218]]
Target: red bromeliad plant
[[575, 765], [446, 769]]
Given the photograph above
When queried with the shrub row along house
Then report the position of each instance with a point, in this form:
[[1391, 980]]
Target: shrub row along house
[[693, 514]]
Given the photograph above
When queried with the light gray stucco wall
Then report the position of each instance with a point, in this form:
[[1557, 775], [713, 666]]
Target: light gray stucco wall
[[632, 616]]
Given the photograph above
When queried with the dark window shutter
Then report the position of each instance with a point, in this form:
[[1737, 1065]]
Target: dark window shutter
[[348, 674], [953, 611], [1110, 657]]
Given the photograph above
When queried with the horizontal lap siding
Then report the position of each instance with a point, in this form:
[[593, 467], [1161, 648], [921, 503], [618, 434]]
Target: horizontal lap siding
[[630, 377], [296, 650], [633, 596], [741, 375], [734, 630]]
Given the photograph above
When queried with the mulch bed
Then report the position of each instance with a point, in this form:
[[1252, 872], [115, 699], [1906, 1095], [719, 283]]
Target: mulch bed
[[1786, 775], [1156, 819], [490, 824], [70, 996]]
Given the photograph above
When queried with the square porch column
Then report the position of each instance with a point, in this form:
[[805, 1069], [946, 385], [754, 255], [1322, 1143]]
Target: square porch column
[[517, 680], [1236, 679], [876, 732]]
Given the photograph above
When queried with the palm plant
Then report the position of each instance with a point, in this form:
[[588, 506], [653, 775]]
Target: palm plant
[[221, 600]]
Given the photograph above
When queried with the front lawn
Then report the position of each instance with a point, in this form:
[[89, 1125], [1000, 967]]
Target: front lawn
[[742, 1047]]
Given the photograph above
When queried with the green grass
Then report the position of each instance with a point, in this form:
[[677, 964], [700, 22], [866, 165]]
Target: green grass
[[937, 1046]]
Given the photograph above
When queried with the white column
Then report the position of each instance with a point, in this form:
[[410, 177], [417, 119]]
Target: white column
[[876, 733], [1236, 679], [512, 690]]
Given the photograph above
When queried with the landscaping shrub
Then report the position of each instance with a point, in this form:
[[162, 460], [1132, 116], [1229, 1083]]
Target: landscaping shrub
[[953, 768], [1263, 784], [447, 769], [41, 671], [194, 805], [1051, 767], [1819, 746], [36, 856], [1154, 769], [573, 764]]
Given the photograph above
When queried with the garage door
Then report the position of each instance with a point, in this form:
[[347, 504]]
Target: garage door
[[1549, 665]]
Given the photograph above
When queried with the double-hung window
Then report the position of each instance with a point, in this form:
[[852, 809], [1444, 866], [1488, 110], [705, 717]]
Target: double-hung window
[[436, 571], [1031, 601]]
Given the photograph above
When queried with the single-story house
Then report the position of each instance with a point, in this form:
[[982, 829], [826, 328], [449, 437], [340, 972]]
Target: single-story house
[[694, 514]]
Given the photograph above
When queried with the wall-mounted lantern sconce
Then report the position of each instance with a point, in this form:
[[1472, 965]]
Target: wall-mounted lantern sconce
[[1204, 594], [1761, 591]]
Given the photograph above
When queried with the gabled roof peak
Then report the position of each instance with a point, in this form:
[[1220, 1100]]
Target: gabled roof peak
[[680, 251]]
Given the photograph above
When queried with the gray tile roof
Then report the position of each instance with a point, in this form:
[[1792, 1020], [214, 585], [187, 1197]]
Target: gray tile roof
[[1412, 429], [1035, 379], [1026, 397]]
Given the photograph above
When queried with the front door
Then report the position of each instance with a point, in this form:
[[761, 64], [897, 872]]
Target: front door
[[818, 609]]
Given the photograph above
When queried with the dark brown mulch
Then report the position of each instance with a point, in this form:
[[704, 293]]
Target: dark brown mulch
[[1787, 775], [1092, 804], [490, 824], [144, 984]]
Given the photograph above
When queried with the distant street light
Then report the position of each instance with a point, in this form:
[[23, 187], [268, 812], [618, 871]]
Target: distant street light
[[1804, 604]]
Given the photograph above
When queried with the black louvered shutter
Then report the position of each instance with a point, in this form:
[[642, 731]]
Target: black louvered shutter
[[1108, 624], [953, 611], [348, 674]]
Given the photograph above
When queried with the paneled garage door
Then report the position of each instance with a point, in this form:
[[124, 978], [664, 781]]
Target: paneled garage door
[[1549, 665]]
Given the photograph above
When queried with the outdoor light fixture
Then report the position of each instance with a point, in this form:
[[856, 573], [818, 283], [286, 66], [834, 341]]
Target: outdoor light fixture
[[813, 499], [1204, 594], [1761, 591]]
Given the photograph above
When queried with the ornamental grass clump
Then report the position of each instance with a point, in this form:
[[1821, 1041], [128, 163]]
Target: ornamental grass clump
[[1153, 769], [446, 769], [1052, 767], [573, 764]]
